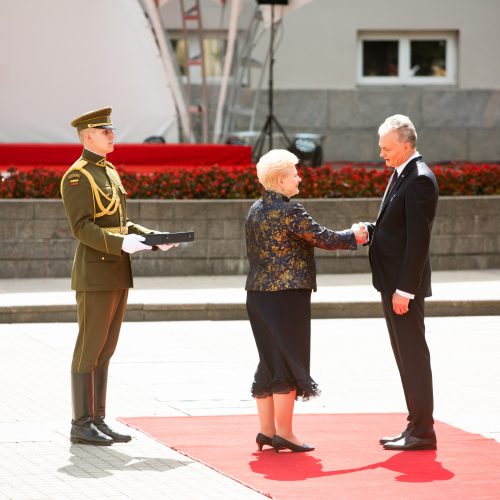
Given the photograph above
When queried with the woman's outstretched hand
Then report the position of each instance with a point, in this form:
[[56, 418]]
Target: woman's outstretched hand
[[360, 232]]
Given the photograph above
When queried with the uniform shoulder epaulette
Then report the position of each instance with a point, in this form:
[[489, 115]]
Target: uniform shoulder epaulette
[[71, 173], [78, 165], [110, 165]]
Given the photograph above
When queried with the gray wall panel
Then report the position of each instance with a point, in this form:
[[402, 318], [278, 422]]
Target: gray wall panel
[[465, 236]]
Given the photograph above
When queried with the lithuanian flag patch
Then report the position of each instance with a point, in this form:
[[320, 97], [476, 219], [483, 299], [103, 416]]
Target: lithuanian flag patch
[[74, 179]]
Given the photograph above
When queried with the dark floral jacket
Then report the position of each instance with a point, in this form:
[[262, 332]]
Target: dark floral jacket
[[281, 237]]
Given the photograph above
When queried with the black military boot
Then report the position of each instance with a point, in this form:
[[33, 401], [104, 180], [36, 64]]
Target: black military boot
[[83, 430], [100, 385]]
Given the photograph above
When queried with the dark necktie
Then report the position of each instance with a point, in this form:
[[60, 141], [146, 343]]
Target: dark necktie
[[392, 184]]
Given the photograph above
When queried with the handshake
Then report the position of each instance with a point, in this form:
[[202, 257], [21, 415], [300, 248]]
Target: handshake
[[360, 232]]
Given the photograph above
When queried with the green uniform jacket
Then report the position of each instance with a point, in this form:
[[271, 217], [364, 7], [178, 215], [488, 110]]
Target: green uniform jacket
[[90, 184]]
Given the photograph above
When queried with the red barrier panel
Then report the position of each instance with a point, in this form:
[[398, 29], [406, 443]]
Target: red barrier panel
[[133, 157]]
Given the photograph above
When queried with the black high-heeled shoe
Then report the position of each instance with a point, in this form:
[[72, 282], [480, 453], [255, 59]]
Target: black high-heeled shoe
[[262, 439], [279, 443]]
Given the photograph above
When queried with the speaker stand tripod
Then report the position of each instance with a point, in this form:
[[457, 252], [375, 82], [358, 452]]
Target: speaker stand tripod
[[271, 120]]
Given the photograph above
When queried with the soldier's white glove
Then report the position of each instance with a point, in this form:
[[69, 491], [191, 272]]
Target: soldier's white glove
[[167, 246], [132, 243]]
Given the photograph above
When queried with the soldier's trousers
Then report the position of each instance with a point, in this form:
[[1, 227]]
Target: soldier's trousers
[[100, 316]]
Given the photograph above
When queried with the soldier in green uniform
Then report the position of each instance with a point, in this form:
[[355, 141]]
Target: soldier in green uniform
[[95, 204]]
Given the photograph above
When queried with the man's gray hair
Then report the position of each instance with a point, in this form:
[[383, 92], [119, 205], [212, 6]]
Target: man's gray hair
[[402, 125]]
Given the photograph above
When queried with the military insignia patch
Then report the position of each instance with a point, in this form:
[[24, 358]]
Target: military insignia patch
[[74, 181]]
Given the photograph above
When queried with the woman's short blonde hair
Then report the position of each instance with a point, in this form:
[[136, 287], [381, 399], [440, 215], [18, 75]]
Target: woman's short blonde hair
[[273, 164]]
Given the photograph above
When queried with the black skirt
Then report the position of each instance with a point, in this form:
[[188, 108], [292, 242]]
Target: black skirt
[[281, 325]]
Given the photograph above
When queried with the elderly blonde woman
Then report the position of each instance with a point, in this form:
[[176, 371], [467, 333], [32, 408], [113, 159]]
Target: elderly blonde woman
[[281, 237]]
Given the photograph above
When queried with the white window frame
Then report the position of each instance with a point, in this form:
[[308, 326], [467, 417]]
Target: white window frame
[[404, 71]]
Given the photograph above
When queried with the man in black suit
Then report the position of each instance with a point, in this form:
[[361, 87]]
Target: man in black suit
[[399, 258]]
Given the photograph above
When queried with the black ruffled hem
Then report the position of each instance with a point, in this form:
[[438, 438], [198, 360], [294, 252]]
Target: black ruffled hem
[[305, 389]]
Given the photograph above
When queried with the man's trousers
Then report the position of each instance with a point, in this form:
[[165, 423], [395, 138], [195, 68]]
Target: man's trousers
[[100, 316], [407, 335]]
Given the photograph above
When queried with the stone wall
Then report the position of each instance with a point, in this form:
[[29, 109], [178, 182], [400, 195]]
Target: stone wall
[[35, 241], [452, 124]]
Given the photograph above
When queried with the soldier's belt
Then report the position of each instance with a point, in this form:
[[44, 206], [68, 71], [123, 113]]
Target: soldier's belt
[[116, 230]]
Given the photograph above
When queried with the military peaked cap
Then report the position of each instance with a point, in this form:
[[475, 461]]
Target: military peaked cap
[[100, 118]]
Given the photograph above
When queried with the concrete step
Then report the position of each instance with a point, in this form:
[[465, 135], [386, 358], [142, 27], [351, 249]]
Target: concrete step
[[66, 313], [188, 298]]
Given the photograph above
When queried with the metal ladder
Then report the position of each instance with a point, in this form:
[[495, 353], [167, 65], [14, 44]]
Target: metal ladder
[[243, 62], [197, 104]]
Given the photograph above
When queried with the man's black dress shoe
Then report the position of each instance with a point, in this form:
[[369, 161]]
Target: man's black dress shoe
[[279, 444], [410, 443], [87, 433], [115, 436], [395, 438]]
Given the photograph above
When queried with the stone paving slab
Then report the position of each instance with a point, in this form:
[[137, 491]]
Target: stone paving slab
[[456, 293], [206, 368]]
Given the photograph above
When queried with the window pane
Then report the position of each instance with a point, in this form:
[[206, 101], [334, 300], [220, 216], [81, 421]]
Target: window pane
[[428, 57], [380, 58], [213, 49], [179, 49]]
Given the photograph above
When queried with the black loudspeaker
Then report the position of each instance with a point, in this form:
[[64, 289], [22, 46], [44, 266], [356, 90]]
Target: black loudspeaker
[[154, 139], [272, 2], [307, 148]]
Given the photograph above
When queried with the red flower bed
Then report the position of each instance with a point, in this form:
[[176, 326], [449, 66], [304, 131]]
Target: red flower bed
[[328, 181]]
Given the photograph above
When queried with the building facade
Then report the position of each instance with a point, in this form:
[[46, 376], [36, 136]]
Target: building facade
[[342, 67]]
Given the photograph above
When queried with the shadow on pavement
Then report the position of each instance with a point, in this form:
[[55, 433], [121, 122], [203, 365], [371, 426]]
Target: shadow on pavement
[[96, 462]]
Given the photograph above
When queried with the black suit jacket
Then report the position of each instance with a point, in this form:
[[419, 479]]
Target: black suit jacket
[[400, 238]]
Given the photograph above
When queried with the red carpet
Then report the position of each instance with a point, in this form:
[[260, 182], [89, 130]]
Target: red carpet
[[347, 464]]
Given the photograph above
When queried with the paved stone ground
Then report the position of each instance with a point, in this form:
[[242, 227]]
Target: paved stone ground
[[205, 368], [449, 285]]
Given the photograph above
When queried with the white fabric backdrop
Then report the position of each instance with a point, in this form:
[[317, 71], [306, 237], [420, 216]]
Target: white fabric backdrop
[[59, 59]]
